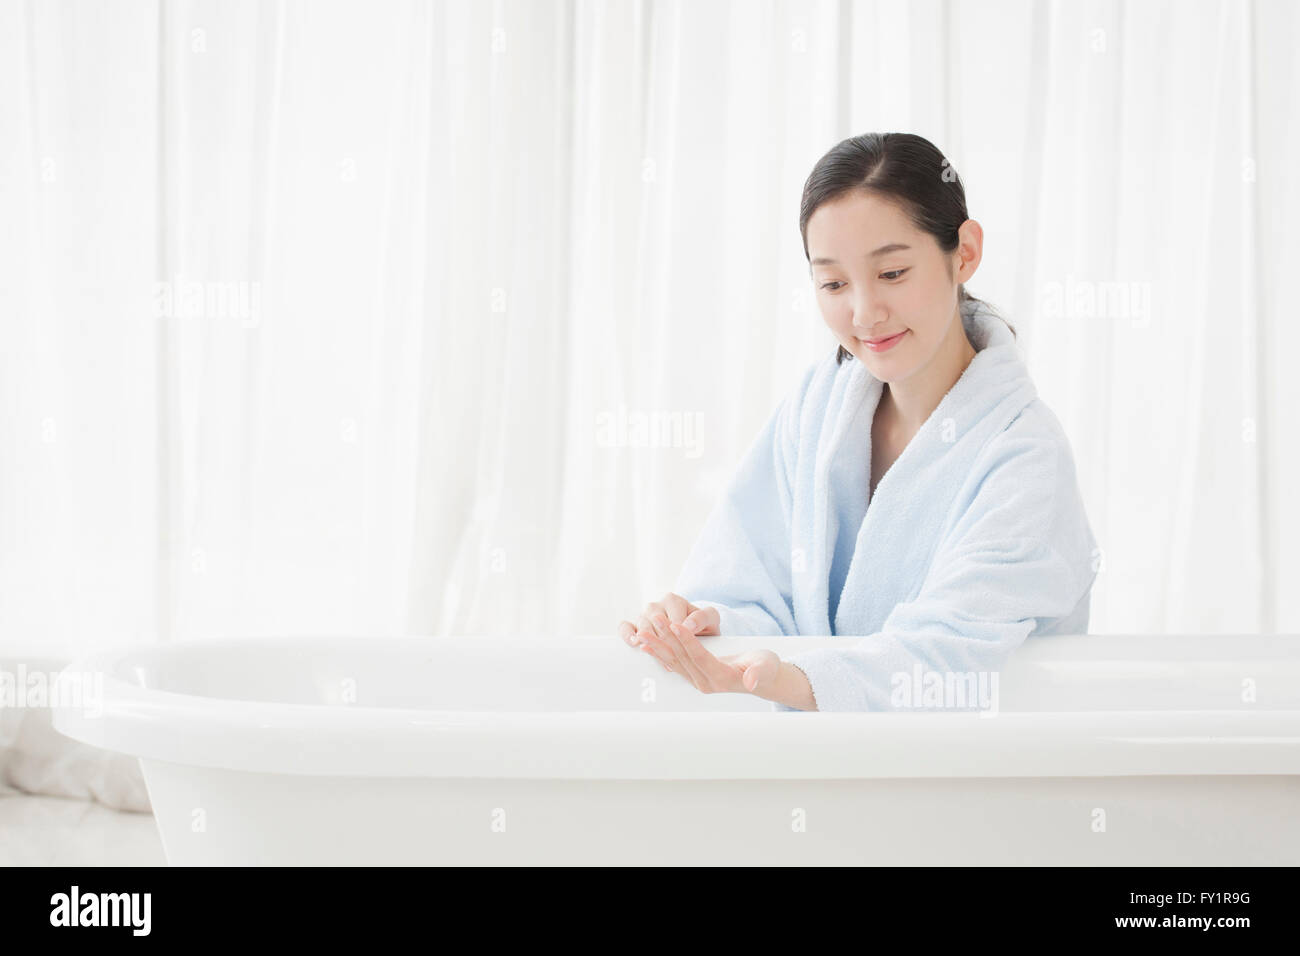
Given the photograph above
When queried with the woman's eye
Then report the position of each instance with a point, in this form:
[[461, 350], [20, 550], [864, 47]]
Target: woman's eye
[[890, 276]]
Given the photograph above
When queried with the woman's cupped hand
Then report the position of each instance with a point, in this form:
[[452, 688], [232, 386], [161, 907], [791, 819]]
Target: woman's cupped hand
[[669, 630]]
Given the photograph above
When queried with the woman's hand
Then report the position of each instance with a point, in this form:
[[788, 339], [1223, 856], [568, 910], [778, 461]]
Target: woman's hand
[[657, 620], [753, 672], [670, 630]]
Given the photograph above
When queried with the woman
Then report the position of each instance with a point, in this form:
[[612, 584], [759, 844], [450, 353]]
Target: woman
[[913, 489]]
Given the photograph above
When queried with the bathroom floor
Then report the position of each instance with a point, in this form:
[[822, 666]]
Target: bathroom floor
[[57, 831]]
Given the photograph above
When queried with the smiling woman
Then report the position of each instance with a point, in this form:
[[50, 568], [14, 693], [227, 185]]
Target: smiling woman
[[922, 498], [900, 188]]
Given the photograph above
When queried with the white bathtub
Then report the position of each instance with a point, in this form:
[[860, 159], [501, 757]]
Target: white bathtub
[[1103, 750]]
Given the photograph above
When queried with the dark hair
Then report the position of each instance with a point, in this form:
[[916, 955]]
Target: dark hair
[[901, 167]]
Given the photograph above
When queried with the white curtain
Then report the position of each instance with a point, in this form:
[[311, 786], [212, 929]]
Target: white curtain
[[455, 317]]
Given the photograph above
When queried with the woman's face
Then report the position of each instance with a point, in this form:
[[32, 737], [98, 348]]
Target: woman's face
[[876, 275]]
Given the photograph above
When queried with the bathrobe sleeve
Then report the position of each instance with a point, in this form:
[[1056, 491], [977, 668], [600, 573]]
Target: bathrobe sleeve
[[740, 563], [1018, 558]]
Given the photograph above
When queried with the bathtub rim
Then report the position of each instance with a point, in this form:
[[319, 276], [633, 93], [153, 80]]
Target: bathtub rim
[[346, 740]]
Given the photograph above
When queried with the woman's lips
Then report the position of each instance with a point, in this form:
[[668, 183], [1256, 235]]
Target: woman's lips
[[886, 344]]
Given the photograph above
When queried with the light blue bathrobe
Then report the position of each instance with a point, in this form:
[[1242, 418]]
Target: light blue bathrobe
[[976, 537]]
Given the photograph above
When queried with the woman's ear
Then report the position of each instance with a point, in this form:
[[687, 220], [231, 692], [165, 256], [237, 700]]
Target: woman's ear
[[969, 251]]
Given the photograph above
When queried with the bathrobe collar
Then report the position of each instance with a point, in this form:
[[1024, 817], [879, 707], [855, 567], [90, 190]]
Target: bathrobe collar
[[991, 392]]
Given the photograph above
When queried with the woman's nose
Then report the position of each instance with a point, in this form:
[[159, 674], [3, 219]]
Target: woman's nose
[[868, 313]]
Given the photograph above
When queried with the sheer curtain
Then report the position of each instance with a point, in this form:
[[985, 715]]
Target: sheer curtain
[[454, 317]]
